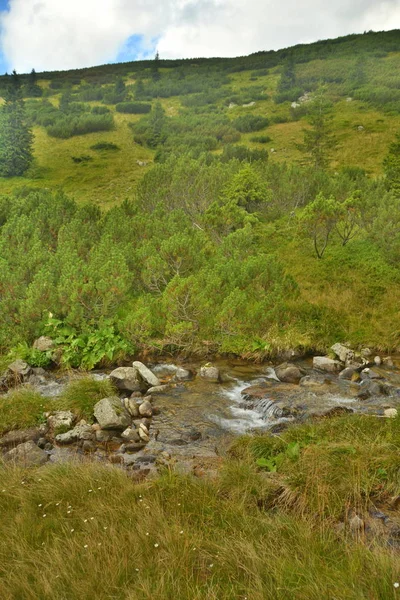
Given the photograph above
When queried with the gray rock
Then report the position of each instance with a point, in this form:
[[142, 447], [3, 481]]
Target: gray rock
[[182, 374], [110, 414], [160, 389], [343, 353], [210, 373], [88, 446], [348, 373], [369, 387], [366, 352], [388, 362], [146, 409], [42, 443], [131, 435], [391, 413], [134, 446], [132, 407], [126, 379], [82, 431], [288, 373], [370, 374], [43, 344], [143, 433], [19, 369], [145, 373], [323, 363], [104, 436], [20, 436], [313, 381], [378, 361], [64, 455], [61, 418], [27, 455]]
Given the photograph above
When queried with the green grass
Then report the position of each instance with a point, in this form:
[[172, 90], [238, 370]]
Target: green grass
[[24, 407], [79, 531], [81, 395]]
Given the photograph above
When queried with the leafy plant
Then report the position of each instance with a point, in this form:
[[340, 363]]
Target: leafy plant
[[86, 350]]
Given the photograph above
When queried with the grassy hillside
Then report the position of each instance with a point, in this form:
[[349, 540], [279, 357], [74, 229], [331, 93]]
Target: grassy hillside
[[108, 179], [246, 204]]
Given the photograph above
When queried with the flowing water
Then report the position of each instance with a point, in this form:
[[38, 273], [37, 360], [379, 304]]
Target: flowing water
[[202, 414]]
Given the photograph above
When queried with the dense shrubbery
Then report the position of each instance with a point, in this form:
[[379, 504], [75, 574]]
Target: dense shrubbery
[[70, 125], [216, 261], [249, 123], [71, 118], [133, 108]]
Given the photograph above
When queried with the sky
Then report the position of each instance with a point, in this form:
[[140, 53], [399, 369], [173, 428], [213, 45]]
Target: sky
[[64, 34]]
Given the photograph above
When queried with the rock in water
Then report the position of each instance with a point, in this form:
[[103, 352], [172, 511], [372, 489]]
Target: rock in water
[[132, 407], [27, 455], [288, 373], [146, 409], [182, 374], [147, 376], [110, 414], [131, 435], [210, 373], [126, 379], [323, 363]]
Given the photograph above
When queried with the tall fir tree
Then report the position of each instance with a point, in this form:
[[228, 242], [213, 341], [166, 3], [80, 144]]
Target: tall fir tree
[[155, 71], [318, 140], [391, 165], [288, 76], [16, 138]]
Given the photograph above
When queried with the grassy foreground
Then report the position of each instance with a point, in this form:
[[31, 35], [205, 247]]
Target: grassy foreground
[[72, 532]]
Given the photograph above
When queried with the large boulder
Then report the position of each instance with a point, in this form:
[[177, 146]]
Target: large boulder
[[210, 373], [288, 373], [323, 363], [27, 455], [148, 377], [344, 354], [110, 414], [43, 344], [127, 379]]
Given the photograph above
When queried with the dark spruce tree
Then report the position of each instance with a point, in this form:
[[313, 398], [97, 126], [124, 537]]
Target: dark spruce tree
[[16, 138], [155, 71]]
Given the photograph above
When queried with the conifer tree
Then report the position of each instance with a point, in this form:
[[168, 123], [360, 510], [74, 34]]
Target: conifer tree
[[288, 76], [16, 137], [391, 164], [318, 140], [155, 67]]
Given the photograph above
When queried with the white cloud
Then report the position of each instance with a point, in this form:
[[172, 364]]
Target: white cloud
[[61, 34]]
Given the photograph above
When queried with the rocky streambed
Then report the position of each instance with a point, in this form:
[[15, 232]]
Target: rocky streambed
[[185, 416]]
